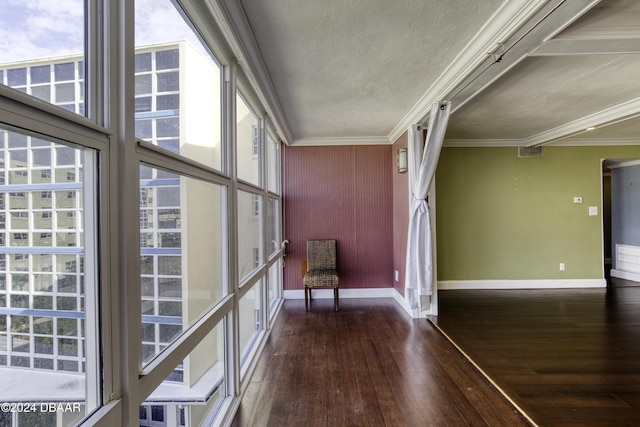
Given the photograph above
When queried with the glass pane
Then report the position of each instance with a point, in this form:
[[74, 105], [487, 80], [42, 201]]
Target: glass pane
[[273, 163], [249, 232], [275, 284], [250, 313], [177, 85], [273, 226], [248, 142], [181, 236], [48, 353], [41, 51], [199, 378]]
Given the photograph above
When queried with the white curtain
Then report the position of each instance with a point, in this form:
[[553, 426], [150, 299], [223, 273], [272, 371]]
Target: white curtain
[[422, 167]]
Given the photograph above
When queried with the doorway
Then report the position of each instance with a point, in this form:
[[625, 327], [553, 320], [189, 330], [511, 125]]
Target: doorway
[[620, 221], [606, 221]]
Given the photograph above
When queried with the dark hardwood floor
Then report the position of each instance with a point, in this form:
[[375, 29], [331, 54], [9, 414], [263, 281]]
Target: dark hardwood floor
[[367, 365], [566, 357]]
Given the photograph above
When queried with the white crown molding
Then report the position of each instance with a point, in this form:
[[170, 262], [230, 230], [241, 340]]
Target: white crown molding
[[603, 33], [582, 142], [504, 22], [616, 164], [609, 116], [235, 26], [522, 284], [467, 143], [565, 47], [355, 140]]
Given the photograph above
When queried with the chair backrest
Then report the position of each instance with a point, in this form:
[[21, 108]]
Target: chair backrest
[[321, 254]]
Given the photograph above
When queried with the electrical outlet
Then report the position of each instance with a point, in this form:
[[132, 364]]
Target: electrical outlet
[[562, 266]]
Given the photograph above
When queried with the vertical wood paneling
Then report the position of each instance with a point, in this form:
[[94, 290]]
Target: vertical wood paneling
[[400, 214], [342, 193]]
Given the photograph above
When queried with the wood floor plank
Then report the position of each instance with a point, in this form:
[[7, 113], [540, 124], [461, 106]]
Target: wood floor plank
[[367, 365], [567, 357]]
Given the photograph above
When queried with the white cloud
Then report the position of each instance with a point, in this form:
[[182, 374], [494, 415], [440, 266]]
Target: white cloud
[[40, 28], [159, 21], [37, 29]]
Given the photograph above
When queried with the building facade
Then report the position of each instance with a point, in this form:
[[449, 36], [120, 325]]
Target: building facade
[[49, 257]]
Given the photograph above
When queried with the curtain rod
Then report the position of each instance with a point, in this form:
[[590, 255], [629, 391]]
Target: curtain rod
[[502, 51]]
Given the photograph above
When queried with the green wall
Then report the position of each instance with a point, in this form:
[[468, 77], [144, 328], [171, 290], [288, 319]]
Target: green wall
[[500, 217]]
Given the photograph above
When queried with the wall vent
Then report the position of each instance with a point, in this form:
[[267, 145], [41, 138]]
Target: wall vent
[[530, 151]]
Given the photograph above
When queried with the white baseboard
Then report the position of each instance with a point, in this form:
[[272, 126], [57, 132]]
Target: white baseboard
[[359, 293], [522, 284], [449, 285], [626, 275], [403, 302], [344, 293]]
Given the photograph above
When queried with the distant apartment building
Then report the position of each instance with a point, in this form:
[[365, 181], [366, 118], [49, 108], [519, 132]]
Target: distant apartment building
[[44, 248]]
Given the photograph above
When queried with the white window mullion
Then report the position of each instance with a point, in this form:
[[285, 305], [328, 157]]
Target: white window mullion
[[91, 268], [263, 251], [232, 363]]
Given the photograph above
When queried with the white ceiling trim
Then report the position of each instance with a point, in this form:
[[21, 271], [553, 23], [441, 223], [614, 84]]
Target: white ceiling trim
[[577, 142], [609, 116], [562, 47], [621, 163], [358, 140], [508, 19], [237, 30], [574, 142], [466, 143], [601, 33]]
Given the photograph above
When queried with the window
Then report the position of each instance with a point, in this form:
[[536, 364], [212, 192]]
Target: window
[[44, 323], [158, 94], [175, 260], [247, 142], [273, 163], [60, 82], [256, 205], [178, 400], [249, 232], [273, 225], [255, 146], [250, 320], [58, 180]]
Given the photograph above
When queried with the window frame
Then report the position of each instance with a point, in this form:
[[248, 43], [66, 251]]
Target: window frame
[[108, 128]]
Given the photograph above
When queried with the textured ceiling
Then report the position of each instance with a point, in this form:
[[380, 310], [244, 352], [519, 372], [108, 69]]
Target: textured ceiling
[[348, 69], [585, 71], [354, 68], [546, 92]]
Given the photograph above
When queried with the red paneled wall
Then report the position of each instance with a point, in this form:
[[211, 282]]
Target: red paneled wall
[[400, 215], [342, 193]]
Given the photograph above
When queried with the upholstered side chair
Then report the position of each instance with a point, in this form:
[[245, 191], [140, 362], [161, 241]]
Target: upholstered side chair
[[321, 269]]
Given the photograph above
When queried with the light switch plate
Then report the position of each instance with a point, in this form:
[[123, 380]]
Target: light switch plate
[[577, 199], [593, 210]]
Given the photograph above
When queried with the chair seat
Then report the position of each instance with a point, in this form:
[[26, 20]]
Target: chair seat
[[321, 279]]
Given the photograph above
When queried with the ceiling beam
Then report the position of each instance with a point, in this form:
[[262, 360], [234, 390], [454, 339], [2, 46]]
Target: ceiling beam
[[583, 46], [610, 116], [567, 142], [516, 27]]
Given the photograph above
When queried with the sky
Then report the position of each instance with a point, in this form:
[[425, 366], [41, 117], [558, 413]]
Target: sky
[[36, 29]]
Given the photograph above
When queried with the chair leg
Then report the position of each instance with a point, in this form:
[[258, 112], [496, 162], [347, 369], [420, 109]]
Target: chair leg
[[306, 296], [336, 298]]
